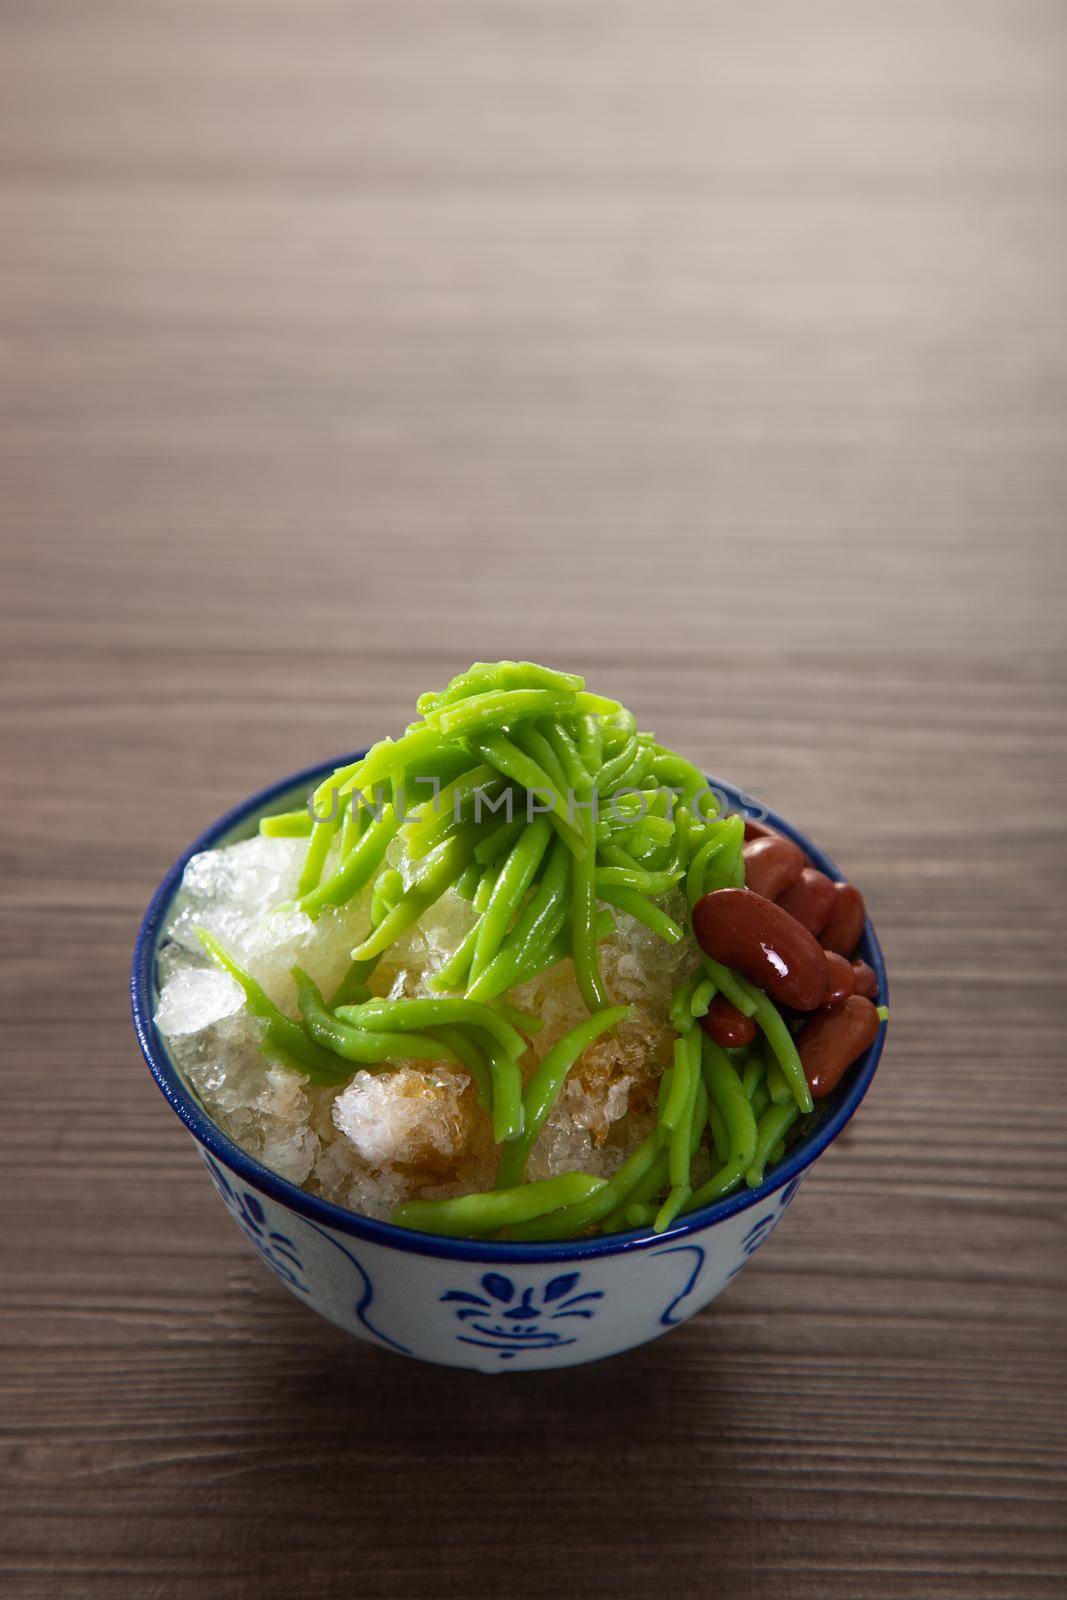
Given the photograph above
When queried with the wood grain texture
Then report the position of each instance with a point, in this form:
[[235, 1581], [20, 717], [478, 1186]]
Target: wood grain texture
[[718, 352]]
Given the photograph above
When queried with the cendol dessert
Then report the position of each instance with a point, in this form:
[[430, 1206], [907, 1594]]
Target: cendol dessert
[[515, 974]]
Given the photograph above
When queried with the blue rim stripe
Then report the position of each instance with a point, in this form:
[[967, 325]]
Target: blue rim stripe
[[183, 1102]]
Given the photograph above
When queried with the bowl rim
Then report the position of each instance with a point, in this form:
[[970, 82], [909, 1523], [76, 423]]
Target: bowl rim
[[324, 1212]]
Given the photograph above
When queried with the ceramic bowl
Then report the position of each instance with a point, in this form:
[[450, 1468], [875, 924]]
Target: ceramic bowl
[[489, 1307]]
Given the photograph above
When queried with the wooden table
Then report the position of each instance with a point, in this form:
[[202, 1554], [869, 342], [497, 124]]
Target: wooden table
[[717, 352]]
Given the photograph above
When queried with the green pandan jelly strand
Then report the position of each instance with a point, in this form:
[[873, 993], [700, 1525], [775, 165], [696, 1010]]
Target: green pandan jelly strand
[[503, 754], [539, 924], [774, 1124], [598, 705], [499, 842], [684, 1141], [676, 1199], [568, 756], [533, 743], [718, 1134], [366, 1048], [543, 1089], [680, 1009], [545, 914], [477, 809], [721, 1183], [777, 1087], [636, 1216], [466, 885], [357, 868], [288, 1037], [641, 1194], [726, 870], [613, 826], [428, 824], [640, 1179], [673, 771], [484, 676], [415, 785], [508, 893], [560, 948], [484, 892], [724, 1088], [499, 708], [631, 776], [612, 770], [590, 733], [469, 1052], [618, 726], [572, 1220], [650, 856], [622, 871], [323, 833], [734, 987], [686, 1064], [387, 893], [476, 1216], [524, 1021], [353, 986], [643, 910], [702, 996], [682, 1131], [341, 781], [652, 1184], [753, 1075], [507, 1091], [760, 1101], [649, 838], [440, 869], [453, 975], [286, 824], [357, 819], [780, 1039], [412, 752], [719, 842], [434, 1013], [420, 751], [583, 915]]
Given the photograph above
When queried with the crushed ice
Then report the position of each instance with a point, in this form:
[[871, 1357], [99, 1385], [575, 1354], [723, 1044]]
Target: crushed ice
[[415, 1130]]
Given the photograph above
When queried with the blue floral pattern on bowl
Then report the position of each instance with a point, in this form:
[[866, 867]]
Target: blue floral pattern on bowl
[[513, 1320], [283, 1257], [764, 1226], [696, 1251], [276, 1249]]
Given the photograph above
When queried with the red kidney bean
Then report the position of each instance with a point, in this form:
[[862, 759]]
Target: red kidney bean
[[842, 979], [745, 931], [772, 866], [833, 1039], [811, 900], [763, 830], [866, 982], [844, 930], [726, 1025]]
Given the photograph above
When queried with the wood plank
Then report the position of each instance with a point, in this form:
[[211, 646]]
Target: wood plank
[[722, 355]]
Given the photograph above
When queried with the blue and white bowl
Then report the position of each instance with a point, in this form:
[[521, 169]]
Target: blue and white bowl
[[460, 1303]]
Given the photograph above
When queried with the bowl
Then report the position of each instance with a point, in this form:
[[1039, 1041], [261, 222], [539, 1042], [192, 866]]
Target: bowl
[[489, 1307]]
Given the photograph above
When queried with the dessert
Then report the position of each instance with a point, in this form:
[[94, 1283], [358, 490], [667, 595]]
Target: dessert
[[515, 974]]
